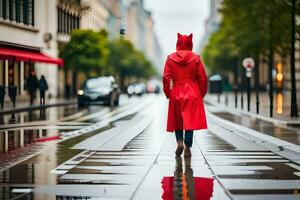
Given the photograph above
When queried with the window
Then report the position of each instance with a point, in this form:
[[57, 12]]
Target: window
[[19, 11], [66, 21], [1, 8], [63, 22], [12, 10], [6, 9], [31, 12], [25, 11], [58, 20]]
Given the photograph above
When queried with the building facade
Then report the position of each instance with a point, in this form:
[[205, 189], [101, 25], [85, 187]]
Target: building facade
[[35, 28], [95, 16], [116, 18], [140, 31], [212, 23], [69, 16], [43, 27], [24, 28]]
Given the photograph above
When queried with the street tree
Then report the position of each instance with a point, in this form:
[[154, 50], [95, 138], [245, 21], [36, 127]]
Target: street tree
[[127, 62], [87, 52], [259, 29]]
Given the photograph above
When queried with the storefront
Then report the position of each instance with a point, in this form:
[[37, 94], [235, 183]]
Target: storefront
[[17, 63]]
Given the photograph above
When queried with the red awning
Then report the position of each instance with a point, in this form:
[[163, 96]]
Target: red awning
[[27, 55]]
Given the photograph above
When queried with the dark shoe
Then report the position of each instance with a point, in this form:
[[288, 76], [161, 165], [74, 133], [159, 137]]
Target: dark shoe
[[179, 149], [187, 151]]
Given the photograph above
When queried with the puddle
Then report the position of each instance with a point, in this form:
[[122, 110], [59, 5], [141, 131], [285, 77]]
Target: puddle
[[52, 113], [183, 185]]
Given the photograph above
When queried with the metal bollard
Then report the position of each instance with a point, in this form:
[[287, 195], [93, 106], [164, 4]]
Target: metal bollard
[[2, 95], [226, 100], [12, 93]]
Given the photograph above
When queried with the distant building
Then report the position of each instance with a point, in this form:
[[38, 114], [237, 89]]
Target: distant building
[[213, 21], [116, 18], [140, 31], [95, 15]]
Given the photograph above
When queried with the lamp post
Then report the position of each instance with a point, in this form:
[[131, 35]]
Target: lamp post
[[235, 86], [248, 64], [294, 107], [270, 59]]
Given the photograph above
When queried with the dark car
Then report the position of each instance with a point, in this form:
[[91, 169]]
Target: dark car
[[102, 89]]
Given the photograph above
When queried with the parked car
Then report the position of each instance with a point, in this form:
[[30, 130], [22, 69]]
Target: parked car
[[137, 89], [101, 89]]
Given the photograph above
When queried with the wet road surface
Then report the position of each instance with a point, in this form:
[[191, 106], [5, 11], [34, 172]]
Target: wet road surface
[[125, 153]]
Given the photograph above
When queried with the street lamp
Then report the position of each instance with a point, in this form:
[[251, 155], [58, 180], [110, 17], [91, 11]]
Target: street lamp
[[122, 27], [248, 64]]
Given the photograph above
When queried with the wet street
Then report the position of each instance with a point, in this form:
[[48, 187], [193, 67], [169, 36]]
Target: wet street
[[124, 153]]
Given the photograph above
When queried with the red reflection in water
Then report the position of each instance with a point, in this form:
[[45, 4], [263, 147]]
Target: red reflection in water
[[46, 139], [185, 186], [167, 185]]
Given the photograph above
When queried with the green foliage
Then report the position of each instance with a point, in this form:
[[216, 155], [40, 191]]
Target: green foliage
[[221, 52], [91, 52], [127, 61], [250, 29], [87, 51]]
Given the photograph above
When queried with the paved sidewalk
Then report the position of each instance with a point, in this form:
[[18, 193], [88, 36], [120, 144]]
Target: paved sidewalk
[[134, 159], [23, 105], [143, 168]]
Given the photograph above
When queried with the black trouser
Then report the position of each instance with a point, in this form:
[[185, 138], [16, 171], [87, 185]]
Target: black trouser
[[31, 93], [188, 137], [42, 98]]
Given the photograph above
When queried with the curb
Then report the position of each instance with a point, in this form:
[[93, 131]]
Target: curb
[[253, 115], [36, 107], [286, 149]]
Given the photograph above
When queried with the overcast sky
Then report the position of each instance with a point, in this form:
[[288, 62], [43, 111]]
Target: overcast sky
[[172, 16]]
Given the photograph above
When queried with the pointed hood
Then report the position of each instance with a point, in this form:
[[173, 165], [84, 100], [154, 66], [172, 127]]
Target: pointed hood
[[184, 42], [184, 46]]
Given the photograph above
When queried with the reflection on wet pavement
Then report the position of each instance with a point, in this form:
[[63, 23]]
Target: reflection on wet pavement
[[145, 168], [27, 142], [288, 134], [39, 115], [22, 140], [35, 170], [185, 185], [250, 174]]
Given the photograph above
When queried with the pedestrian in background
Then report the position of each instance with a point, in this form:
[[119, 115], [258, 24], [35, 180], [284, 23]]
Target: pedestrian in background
[[189, 85], [43, 87], [32, 85]]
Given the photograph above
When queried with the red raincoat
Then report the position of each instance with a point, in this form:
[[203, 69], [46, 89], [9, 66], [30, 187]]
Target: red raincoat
[[184, 71]]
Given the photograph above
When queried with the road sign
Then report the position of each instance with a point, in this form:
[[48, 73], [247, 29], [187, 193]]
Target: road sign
[[248, 63]]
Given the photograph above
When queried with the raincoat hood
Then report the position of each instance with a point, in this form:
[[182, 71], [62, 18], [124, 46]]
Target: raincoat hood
[[184, 42], [184, 46]]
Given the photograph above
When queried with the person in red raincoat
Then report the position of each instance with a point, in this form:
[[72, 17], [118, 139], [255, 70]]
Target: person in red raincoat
[[185, 85]]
